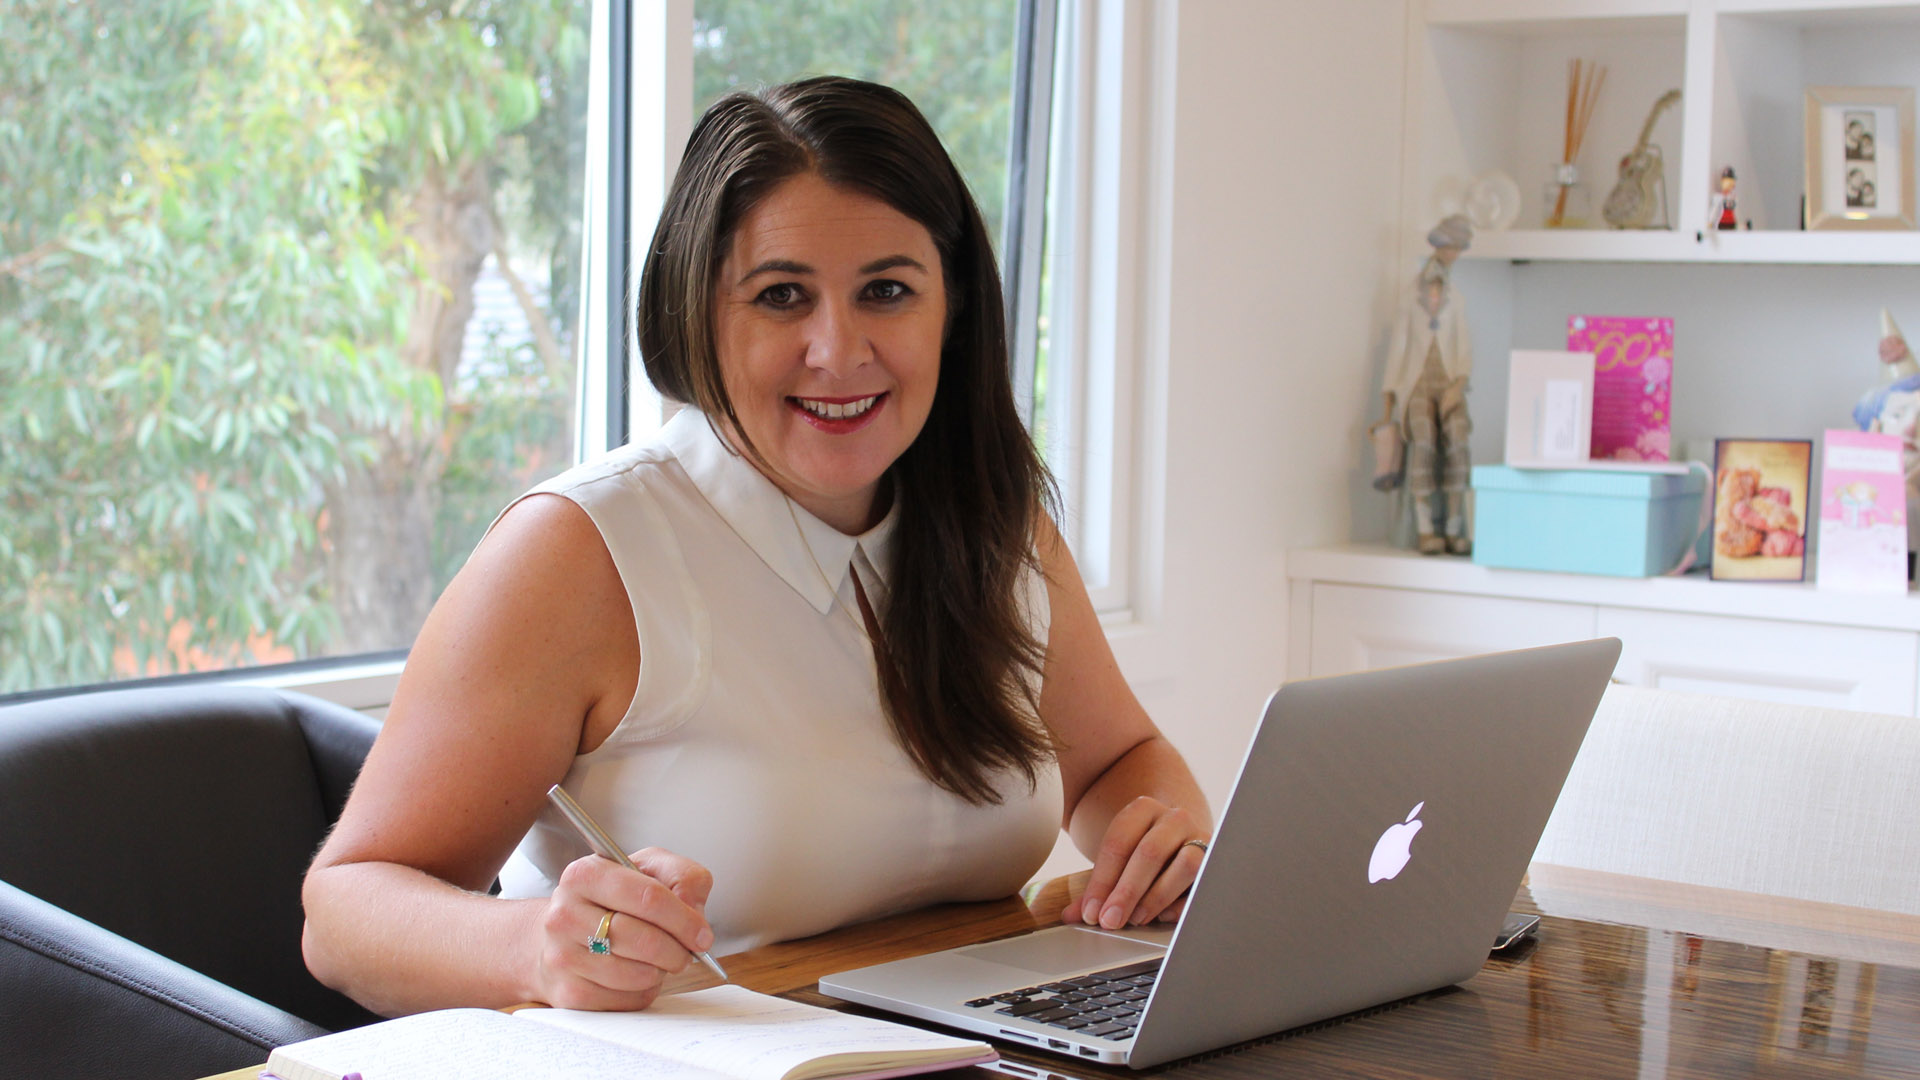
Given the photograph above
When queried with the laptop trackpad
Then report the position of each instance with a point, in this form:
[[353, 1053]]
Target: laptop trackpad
[[1063, 949]]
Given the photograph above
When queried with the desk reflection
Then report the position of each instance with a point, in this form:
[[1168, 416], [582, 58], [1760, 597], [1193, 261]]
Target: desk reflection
[[1635, 979], [1658, 1001]]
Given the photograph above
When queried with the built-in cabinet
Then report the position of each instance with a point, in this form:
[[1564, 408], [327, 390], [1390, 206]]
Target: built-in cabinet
[[1776, 329], [1365, 606], [1775, 326]]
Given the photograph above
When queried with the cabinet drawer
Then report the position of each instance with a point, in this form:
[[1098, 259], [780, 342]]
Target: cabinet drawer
[[1357, 627], [1799, 663]]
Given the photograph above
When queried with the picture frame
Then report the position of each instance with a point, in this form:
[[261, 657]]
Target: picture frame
[[1762, 492], [1859, 157], [1549, 409]]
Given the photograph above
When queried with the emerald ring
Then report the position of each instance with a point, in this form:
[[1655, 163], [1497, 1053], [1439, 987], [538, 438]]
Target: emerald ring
[[600, 943]]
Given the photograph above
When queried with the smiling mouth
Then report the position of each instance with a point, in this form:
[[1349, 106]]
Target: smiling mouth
[[838, 410]]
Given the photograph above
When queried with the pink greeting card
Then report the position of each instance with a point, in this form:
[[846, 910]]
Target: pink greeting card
[[1632, 384], [1863, 513]]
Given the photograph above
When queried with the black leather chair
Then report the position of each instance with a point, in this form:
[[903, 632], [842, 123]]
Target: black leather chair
[[152, 845]]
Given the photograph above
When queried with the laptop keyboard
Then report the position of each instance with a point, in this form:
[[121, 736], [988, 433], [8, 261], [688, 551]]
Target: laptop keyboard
[[1105, 1004]]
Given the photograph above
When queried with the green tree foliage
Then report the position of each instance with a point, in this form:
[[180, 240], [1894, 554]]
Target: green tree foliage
[[190, 331], [469, 84], [214, 253]]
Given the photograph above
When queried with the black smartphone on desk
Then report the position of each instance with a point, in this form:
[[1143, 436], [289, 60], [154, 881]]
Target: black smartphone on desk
[[1517, 928]]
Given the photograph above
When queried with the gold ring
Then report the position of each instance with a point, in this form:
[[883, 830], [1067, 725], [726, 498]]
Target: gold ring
[[599, 942], [1201, 844]]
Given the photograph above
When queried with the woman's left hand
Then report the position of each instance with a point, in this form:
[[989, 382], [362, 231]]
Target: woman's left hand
[[1147, 859]]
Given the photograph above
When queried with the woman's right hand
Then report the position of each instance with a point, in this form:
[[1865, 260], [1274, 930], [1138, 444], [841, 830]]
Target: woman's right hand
[[659, 921]]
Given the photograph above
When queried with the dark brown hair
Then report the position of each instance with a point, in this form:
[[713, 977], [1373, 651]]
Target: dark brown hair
[[959, 669]]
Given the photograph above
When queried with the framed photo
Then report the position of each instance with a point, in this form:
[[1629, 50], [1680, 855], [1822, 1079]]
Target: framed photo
[[1760, 489], [1860, 157], [1549, 409]]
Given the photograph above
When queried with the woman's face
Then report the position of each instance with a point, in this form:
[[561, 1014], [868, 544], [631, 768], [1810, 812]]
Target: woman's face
[[830, 311]]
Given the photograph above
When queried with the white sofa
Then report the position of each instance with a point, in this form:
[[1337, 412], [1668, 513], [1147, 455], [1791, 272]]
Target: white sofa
[[1788, 800]]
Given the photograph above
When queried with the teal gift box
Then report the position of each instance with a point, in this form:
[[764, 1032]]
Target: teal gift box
[[1585, 521]]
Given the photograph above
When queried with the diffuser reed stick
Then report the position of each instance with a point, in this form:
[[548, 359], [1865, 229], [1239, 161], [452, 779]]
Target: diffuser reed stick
[[1583, 88]]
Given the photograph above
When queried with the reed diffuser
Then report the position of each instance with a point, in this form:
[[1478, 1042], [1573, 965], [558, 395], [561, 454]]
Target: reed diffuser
[[1584, 81]]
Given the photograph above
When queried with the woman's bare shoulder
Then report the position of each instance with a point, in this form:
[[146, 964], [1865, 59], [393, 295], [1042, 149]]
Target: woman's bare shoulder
[[542, 532], [543, 576]]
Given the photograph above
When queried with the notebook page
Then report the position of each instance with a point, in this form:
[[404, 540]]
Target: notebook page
[[468, 1044], [756, 1036]]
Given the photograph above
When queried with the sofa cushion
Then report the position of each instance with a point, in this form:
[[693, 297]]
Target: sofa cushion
[[1789, 800]]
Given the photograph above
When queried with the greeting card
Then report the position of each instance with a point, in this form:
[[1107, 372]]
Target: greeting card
[[1760, 509], [1632, 384], [1863, 513], [1549, 408]]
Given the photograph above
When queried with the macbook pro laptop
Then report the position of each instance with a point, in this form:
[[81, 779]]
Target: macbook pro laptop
[[1369, 851]]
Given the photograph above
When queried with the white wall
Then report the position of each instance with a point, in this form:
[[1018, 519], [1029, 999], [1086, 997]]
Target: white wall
[[1284, 194], [1285, 197]]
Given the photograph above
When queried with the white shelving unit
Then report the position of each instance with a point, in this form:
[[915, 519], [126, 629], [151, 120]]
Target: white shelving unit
[[1775, 327], [1488, 92], [1756, 247]]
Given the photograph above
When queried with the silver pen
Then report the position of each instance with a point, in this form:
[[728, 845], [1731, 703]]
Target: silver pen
[[603, 846]]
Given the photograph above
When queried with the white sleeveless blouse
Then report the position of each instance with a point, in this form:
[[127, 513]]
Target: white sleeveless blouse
[[755, 743]]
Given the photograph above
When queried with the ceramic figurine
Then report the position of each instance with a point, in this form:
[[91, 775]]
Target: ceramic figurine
[[1720, 210], [1893, 408], [1425, 386]]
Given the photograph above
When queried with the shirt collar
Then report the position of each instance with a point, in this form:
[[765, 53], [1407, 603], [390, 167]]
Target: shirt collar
[[808, 554]]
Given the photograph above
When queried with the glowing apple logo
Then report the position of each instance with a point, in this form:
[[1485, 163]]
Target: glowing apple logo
[[1394, 848]]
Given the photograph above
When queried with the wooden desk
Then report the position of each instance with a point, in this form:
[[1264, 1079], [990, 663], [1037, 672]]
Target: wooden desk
[[1630, 978]]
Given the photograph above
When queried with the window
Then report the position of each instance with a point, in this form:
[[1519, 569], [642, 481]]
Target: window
[[294, 297], [288, 299]]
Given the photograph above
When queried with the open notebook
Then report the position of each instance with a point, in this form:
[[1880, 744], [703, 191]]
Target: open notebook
[[725, 1033]]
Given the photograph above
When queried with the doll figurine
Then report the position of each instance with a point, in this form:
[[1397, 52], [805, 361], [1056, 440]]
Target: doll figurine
[[1425, 386], [1893, 408], [1720, 209], [1898, 374]]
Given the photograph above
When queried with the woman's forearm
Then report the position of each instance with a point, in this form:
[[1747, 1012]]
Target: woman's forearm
[[401, 941], [1152, 768]]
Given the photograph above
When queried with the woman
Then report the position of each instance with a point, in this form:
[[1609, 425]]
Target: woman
[[819, 643]]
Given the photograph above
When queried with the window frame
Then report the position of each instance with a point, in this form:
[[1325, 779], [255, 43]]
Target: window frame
[[1112, 152], [1029, 170], [641, 96]]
